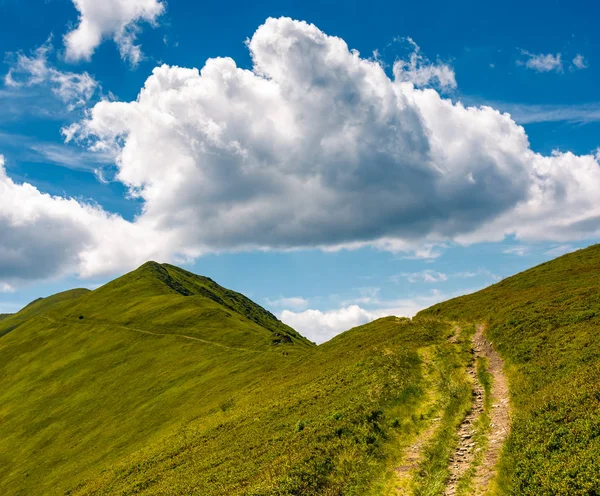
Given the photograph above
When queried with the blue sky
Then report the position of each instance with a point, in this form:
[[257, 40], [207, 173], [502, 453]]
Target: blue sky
[[330, 187]]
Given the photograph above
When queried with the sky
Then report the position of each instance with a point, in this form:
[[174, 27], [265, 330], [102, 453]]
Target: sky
[[335, 164]]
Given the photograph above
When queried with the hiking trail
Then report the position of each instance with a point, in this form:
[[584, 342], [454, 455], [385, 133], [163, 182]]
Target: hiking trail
[[499, 426]]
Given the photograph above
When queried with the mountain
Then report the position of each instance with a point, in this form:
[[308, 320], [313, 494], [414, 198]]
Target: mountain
[[164, 382]]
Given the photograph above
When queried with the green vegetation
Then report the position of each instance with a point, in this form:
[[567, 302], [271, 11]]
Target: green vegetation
[[455, 398], [545, 323], [322, 424], [164, 382]]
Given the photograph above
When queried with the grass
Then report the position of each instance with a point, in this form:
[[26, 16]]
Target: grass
[[164, 382], [324, 424], [454, 393], [545, 323]]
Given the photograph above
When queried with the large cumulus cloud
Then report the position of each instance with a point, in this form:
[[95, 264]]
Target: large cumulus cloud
[[316, 146]]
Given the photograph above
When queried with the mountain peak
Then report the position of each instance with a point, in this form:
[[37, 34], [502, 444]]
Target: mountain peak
[[162, 293]]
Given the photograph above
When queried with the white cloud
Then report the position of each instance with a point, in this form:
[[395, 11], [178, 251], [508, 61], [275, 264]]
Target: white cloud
[[579, 62], [479, 272], [315, 147], [519, 250], [527, 114], [294, 302], [45, 236], [559, 250], [74, 89], [423, 276], [320, 326], [6, 288], [421, 72], [368, 296], [118, 20], [318, 147], [432, 276], [69, 157], [542, 62]]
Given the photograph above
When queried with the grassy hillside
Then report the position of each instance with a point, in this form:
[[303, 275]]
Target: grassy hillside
[[163, 382], [325, 423], [163, 379], [37, 307], [546, 324], [167, 299]]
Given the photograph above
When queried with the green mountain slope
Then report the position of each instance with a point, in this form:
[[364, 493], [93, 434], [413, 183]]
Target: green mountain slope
[[38, 307], [545, 322], [326, 423], [164, 382], [168, 300], [164, 379]]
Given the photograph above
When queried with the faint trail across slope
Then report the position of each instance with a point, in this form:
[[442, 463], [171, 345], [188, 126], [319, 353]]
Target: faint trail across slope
[[165, 334], [499, 414], [191, 338], [414, 453]]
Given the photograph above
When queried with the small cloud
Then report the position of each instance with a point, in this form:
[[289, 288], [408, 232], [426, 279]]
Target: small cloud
[[294, 302], [579, 62], [320, 326], [420, 71], [542, 62], [119, 20], [559, 250], [6, 288], [74, 89], [465, 275], [519, 250], [71, 157], [368, 296], [430, 276]]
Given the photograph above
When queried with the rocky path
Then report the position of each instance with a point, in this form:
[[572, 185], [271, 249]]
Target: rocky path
[[499, 426], [499, 414], [465, 451]]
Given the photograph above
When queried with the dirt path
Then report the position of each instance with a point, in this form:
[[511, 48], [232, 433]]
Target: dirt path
[[465, 451], [499, 420], [413, 456], [499, 413]]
